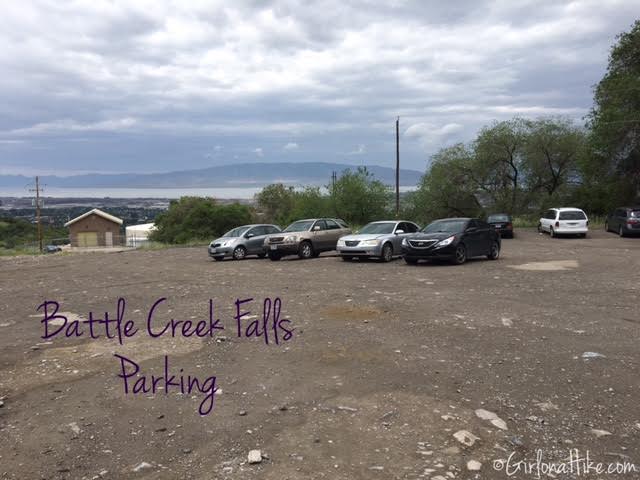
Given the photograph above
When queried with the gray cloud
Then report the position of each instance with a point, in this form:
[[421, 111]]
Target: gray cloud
[[156, 84]]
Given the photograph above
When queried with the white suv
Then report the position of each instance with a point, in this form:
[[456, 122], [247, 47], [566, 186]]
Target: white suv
[[564, 221]]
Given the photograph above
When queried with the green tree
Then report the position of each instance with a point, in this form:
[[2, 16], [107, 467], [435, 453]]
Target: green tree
[[554, 147], [448, 188], [195, 218], [615, 123], [499, 164], [358, 197], [276, 203], [310, 203]]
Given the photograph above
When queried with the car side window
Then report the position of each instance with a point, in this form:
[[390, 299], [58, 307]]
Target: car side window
[[331, 225], [483, 225], [472, 223], [258, 231], [321, 224], [401, 226], [271, 229], [623, 213]]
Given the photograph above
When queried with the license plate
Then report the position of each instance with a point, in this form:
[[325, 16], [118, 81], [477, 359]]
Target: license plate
[[274, 247]]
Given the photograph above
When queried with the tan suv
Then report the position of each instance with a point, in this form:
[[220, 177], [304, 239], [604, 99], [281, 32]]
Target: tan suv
[[306, 238]]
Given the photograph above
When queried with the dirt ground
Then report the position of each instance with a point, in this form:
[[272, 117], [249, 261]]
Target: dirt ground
[[534, 354]]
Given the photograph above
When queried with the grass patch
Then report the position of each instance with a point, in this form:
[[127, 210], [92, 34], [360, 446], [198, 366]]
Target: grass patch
[[14, 252]]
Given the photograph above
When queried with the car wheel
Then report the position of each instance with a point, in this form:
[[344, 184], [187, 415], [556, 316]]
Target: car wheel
[[274, 257], [461, 254], [411, 261], [239, 253], [621, 231], [552, 233], [305, 250], [387, 252], [495, 251], [218, 259]]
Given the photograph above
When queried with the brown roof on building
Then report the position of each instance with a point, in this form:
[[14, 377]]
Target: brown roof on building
[[97, 212]]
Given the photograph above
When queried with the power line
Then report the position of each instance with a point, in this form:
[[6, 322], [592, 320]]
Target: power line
[[397, 167]]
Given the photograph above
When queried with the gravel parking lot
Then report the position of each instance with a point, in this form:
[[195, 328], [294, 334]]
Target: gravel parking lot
[[386, 364]]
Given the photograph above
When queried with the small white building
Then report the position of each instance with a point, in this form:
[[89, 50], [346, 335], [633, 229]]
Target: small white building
[[138, 235]]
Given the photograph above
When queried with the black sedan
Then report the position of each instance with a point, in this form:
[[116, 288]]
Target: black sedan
[[503, 224], [453, 239]]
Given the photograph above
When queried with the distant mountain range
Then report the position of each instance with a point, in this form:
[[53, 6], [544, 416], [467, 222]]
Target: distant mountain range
[[237, 175]]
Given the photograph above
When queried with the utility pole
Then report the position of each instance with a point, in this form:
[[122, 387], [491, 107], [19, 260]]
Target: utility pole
[[398, 167], [37, 190]]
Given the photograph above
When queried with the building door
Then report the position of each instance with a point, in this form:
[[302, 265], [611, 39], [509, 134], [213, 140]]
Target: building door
[[88, 239], [108, 239]]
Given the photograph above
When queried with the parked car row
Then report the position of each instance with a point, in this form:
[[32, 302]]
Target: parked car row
[[453, 239]]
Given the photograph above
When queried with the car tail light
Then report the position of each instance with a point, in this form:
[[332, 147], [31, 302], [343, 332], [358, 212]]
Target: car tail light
[[557, 224], [631, 221]]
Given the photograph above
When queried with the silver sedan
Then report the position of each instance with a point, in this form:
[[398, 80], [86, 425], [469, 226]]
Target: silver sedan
[[381, 239]]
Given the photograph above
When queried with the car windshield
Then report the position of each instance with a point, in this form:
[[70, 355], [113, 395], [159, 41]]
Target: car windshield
[[635, 213], [301, 226], [498, 218], [572, 215], [386, 227], [445, 226], [236, 232]]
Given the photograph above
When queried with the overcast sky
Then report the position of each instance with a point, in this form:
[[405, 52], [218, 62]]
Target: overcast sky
[[150, 86]]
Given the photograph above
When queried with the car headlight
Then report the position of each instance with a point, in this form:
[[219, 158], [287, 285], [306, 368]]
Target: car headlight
[[290, 239], [370, 243], [405, 242], [446, 241], [341, 243]]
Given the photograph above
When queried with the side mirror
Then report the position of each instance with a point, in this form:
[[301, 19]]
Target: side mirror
[[316, 228], [398, 232], [249, 235]]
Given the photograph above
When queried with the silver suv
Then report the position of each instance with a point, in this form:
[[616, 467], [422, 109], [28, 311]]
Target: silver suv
[[241, 241], [306, 238]]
